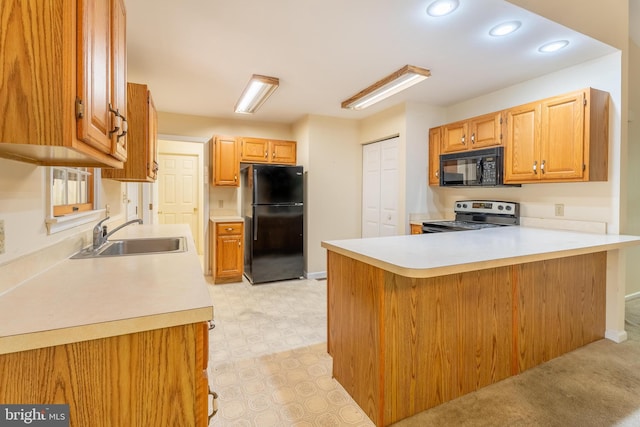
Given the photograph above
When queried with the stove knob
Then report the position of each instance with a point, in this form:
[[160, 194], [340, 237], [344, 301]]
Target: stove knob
[[458, 205], [508, 208], [500, 207], [464, 205]]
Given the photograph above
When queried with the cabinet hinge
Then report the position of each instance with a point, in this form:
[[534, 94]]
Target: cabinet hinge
[[79, 108], [584, 167], [584, 102]]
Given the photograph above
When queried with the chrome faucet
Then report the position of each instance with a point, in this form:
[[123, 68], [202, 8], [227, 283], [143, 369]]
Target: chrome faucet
[[100, 234]]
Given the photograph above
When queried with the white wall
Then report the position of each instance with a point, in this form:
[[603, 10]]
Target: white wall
[[332, 159], [23, 207]]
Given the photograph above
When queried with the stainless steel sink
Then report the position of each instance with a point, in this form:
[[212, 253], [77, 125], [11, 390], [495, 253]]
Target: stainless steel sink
[[153, 245]]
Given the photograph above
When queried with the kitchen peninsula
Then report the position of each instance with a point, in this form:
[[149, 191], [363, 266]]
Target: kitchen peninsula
[[123, 339], [418, 320]]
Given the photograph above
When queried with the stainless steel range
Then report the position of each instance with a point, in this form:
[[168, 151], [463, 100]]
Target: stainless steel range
[[475, 215]]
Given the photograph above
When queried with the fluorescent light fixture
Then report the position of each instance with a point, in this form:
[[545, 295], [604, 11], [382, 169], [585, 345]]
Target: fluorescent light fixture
[[442, 7], [257, 91], [553, 46], [402, 79], [505, 28]]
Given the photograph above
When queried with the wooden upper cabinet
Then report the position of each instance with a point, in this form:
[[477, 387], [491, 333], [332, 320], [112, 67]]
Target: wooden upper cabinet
[[101, 70], [477, 132], [558, 139], [283, 152], [226, 161], [254, 150], [455, 137], [435, 140], [60, 106], [119, 90], [260, 150], [142, 137], [486, 131], [522, 150]]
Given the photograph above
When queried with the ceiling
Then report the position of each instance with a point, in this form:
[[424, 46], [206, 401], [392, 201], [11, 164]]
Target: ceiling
[[197, 55]]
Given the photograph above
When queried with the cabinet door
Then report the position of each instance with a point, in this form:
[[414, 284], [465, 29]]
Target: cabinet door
[[254, 150], [93, 73], [455, 137], [283, 152], [119, 77], [486, 131], [226, 162], [229, 259], [435, 140], [562, 137], [522, 148]]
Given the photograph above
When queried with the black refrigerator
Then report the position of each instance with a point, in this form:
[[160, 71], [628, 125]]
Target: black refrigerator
[[272, 205]]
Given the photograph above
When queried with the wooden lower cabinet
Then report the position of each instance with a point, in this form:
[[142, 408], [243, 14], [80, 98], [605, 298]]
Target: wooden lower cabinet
[[227, 254], [416, 229], [150, 378], [402, 345]]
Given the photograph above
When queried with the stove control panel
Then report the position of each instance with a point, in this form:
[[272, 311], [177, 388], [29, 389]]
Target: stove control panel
[[486, 207]]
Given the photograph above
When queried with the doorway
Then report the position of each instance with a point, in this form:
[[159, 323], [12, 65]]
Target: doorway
[[180, 187]]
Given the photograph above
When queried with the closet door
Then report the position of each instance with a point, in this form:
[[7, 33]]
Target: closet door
[[380, 188]]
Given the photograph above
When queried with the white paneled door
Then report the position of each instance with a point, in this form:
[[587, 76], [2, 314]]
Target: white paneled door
[[380, 198], [178, 191]]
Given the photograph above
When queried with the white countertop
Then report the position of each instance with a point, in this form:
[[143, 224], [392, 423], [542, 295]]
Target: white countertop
[[437, 254], [80, 299], [226, 218]]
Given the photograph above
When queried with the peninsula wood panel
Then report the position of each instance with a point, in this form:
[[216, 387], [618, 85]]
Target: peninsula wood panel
[[354, 330], [560, 306], [144, 379], [402, 345], [444, 337]]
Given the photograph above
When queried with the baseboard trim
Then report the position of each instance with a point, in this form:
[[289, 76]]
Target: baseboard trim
[[317, 275], [632, 296], [616, 336]]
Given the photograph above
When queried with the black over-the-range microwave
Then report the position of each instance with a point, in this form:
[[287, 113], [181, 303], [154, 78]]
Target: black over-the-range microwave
[[475, 168]]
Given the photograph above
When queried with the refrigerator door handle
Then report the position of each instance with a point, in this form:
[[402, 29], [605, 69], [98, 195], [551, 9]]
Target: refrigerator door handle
[[254, 223], [255, 186]]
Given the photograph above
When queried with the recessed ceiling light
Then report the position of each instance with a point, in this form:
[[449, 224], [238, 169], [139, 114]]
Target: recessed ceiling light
[[553, 46], [505, 28], [442, 7]]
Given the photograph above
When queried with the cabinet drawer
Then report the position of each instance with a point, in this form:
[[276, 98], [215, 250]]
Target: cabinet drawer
[[227, 228]]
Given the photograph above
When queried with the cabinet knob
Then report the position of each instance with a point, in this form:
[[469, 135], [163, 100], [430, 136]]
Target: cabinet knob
[[438, 173], [229, 228], [462, 139], [535, 167], [542, 167], [266, 154], [473, 138], [274, 154]]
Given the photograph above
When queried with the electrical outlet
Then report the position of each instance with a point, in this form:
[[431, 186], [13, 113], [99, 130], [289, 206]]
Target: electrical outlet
[[1, 236], [559, 209]]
